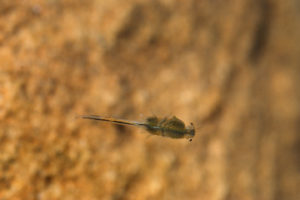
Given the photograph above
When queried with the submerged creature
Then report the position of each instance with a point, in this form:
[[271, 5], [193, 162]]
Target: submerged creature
[[167, 127]]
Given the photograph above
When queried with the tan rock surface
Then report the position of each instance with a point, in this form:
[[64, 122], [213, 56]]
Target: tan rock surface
[[231, 67]]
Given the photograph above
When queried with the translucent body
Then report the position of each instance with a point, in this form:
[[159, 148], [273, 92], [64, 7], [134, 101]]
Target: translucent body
[[167, 127]]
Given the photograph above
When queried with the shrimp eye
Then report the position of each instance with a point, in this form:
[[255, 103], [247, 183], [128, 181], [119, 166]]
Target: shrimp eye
[[190, 140]]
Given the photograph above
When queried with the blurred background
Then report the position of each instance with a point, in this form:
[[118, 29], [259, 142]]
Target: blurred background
[[231, 67]]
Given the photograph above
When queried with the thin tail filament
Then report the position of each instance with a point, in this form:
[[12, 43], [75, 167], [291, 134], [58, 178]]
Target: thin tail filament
[[113, 120]]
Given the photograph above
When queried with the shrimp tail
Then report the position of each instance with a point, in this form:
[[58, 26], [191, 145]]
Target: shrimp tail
[[113, 120]]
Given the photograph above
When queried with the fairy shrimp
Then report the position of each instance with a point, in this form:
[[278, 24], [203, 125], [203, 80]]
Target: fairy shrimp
[[166, 127]]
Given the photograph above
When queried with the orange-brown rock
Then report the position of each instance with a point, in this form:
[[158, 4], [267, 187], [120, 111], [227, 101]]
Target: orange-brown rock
[[231, 67]]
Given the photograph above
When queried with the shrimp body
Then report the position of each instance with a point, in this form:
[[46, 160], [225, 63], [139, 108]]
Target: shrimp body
[[173, 127], [166, 127]]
